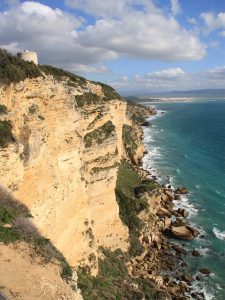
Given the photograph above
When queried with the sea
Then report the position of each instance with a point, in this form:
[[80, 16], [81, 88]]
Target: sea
[[186, 145]]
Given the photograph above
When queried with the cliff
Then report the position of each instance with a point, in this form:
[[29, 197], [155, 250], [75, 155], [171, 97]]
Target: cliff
[[63, 161]]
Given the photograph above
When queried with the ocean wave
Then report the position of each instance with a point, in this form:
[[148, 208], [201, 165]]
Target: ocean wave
[[203, 288], [184, 203], [219, 234]]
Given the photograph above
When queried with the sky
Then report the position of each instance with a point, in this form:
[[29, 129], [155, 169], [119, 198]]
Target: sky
[[137, 46]]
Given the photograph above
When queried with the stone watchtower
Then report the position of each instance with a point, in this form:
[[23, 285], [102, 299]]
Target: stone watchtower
[[28, 56]]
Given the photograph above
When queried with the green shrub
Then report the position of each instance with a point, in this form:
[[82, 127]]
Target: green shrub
[[100, 134], [87, 99], [60, 74], [109, 92], [3, 109], [6, 135]]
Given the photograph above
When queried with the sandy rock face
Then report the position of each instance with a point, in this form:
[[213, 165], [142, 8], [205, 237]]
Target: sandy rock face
[[68, 186], [24, 276]]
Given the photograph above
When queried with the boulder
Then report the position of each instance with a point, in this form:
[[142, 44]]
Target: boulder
[[205, 271], [164, 197], [169, 193], [177, 197], [194, 231], [183, 212], [179, 249], [195, 253], [146, 123], [167, 222], [188, 278], [182, 191], [163, 212], [182, 232], [179, 222]]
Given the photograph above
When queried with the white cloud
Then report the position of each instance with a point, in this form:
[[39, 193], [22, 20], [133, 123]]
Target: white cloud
[[51, 32], [175, 7], [134, 28], [87, 69], [214, 21], [173, 79], [112, 8]]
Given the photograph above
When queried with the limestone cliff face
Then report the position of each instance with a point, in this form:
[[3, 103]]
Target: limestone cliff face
[[63, 163]]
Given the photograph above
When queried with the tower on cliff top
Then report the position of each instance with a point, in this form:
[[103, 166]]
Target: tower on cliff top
[[28, 56]]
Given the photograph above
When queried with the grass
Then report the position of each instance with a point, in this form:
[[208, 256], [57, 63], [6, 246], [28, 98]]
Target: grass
[[113, 281], [99, 135], [130, 205], [6, 135]]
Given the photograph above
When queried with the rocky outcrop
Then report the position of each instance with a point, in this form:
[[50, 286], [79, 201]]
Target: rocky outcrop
[[63, 162]]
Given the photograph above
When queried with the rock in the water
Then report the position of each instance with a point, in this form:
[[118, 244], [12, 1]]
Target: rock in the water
[[179, 249], [146, 123], [184, 213], [182, 232], [188, 278], [182, 191], [195, 253], [194, 231], [205, 271]]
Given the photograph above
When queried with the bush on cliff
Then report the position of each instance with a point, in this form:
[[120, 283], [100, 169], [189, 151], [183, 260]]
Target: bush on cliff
[[60, 74], [100, 134], [6, 135]]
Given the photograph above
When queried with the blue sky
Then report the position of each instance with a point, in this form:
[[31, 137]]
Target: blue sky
[[134, 45]]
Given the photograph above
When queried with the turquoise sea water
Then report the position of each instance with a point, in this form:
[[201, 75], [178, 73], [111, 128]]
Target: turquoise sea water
[[187, 142]]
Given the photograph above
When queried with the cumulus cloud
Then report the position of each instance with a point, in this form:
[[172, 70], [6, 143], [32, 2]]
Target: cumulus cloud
[[132, 28], [175, 7], [172, 79], [51, 32], [214, 21], [112, 8]]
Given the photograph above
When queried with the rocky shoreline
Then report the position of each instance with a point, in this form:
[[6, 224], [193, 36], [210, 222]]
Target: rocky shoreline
[[163, 260]]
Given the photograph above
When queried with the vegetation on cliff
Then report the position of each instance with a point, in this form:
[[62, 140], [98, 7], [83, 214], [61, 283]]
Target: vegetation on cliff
[[129, 204], [6, 135], [14, 69], [100, 134], [113, 281]]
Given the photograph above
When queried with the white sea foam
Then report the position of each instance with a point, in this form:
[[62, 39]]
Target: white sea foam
[[184, 203], [198, 287], [203, 251], [219, 234]]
